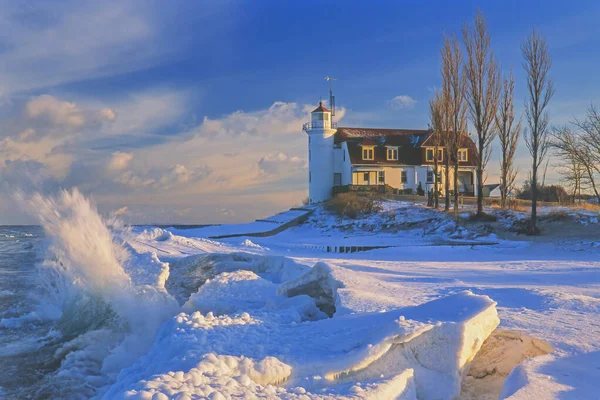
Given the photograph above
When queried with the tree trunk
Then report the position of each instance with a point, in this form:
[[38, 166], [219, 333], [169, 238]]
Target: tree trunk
[[456, 188], [435, 179], [447, 185], [534, 194], [503, 188], [480, 179]]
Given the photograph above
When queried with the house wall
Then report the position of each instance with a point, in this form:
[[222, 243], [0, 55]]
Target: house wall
[[393, 176], [341, 163]]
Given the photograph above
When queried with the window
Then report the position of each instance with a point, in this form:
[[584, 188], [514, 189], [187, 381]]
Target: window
[[318, 117], [462, 155], [404, 177], [337, 179], [309, 177], [366, 178], [367, 153], [429, 176], [381, 177], [392, 153], [344, 155], [430, 152], [429, 155]]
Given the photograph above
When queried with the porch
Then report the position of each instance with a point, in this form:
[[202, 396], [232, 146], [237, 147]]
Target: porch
[[466, 182], [379, 188]]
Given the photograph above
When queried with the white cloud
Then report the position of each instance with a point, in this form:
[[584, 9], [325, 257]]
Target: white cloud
[[140, 113], [162, 178], [107, 114], [81, 40], [27, 135], [281, 164], [120, 211], [279, 119], [57, 111], [65, 116], [119, 161], [403, 102], [249, 164]]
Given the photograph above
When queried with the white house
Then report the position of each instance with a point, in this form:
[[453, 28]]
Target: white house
[[347, 159]]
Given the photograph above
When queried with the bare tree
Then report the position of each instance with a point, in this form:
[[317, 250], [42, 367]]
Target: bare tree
[[437, 117], [482, 92], [536, 62], [508, 133], [590, 150], [577, 148], [454, 93], [446, 110], [572, 176]]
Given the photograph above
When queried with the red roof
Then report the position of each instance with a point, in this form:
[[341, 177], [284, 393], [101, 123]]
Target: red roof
[[320, 108]]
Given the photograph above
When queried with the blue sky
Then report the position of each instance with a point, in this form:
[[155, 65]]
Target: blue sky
[[191, 111]]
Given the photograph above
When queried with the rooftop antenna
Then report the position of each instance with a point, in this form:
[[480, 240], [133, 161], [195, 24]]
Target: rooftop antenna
[[331, 96]]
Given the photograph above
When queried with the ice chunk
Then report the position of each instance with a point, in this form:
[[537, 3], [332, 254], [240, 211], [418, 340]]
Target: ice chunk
[[189, 273], [232, 291], [319, 284]]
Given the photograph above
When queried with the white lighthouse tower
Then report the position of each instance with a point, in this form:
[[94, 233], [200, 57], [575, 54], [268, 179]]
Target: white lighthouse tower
[[320, 130]]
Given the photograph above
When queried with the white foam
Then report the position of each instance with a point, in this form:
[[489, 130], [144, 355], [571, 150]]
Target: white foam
[[83, 275]]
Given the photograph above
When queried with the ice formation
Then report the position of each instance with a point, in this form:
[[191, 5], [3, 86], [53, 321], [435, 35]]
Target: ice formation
[[422, 351]]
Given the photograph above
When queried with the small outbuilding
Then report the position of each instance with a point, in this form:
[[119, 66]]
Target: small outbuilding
[[492, 190]]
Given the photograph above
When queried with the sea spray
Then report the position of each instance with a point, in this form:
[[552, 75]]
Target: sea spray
[[108, 317]]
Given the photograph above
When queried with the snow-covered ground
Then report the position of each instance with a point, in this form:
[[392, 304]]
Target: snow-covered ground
[[404, 304], [283, 317]]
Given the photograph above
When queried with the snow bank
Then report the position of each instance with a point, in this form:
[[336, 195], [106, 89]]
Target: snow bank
[[573, 376], [415, 352]]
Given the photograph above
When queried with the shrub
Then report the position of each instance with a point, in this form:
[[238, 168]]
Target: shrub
[[352, 205], [555, 215], [524, 226], [420, 190], [550, 193], [483, 217]]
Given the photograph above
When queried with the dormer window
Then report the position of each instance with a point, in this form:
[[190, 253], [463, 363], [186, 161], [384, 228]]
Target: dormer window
[[463, 155], [429, 154], [368, 152], [392, 153]]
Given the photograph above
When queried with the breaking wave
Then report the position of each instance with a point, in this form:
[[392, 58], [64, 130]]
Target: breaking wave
[[101, 318]]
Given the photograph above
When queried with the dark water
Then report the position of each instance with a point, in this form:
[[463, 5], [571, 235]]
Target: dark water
[[23, 332]]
